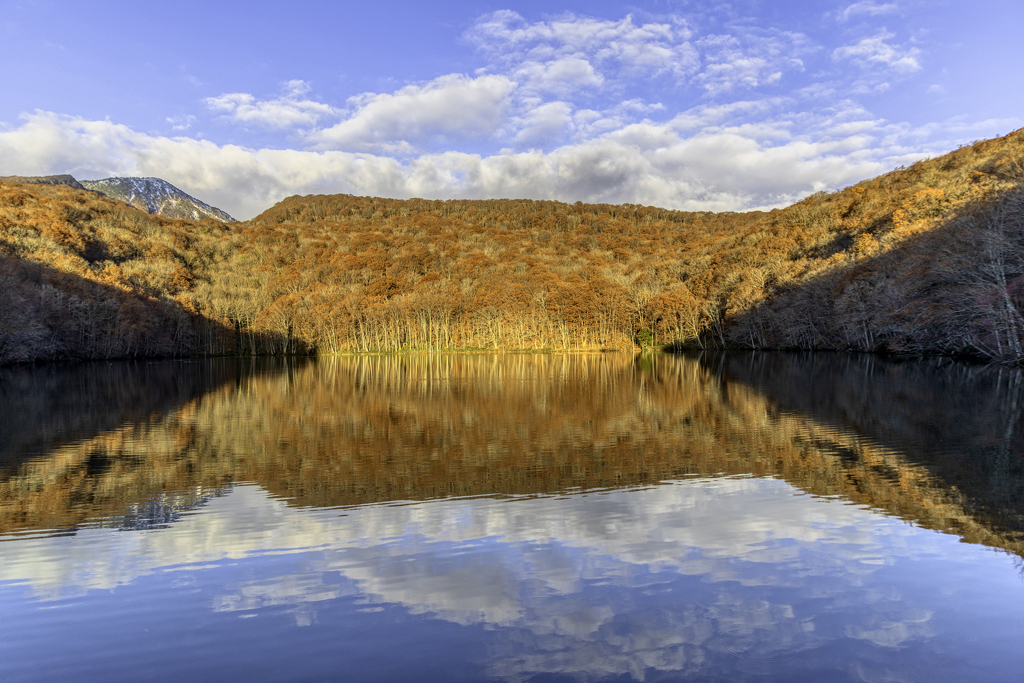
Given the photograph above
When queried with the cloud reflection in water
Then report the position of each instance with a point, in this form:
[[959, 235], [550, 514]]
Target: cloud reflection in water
[[697, 577]]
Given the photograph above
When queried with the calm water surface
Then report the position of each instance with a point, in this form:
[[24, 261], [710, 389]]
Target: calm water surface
[[513, 518]]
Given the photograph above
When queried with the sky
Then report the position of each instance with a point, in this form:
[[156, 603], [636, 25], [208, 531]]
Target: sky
[[680, 104]]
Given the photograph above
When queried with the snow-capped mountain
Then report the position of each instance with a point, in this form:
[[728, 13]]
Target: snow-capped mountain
[[157, 196]]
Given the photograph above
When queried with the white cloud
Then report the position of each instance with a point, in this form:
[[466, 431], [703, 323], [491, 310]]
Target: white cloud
[[607, 54], [748, 60], [449, 107], [543, 125], [181, 123], [876, 51], [286, 112], [562, 76], [866, 7], [615, 48]]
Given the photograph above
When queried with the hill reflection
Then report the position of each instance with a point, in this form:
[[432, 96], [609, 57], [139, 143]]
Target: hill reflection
[[44, 408], [938, 446], [962, 422]]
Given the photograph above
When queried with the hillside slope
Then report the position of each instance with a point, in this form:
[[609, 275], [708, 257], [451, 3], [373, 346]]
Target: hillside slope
[[86, 276], [927, 259], [361, 273], [158, 197], [939, 272]]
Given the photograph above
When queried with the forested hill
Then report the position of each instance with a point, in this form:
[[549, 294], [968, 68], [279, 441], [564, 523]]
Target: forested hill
[[924, 259]]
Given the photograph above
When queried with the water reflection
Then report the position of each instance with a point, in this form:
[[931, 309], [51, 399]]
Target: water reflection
[[44, 408], [525, 517], [348, 431], [707, 577], [83, 442], [962, 422]]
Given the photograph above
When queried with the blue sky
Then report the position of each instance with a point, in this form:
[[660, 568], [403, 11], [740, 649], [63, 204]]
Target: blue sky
[[689, 105]]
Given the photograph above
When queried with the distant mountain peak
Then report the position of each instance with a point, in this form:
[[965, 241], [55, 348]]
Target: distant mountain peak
[[157, 196]]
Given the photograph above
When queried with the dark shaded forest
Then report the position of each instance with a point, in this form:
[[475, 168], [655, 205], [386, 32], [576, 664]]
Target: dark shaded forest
[[923, 260]]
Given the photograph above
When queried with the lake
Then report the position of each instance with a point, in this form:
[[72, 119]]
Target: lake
[[761, 517]]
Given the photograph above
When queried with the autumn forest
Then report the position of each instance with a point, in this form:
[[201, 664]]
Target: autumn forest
[[927, 259]]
